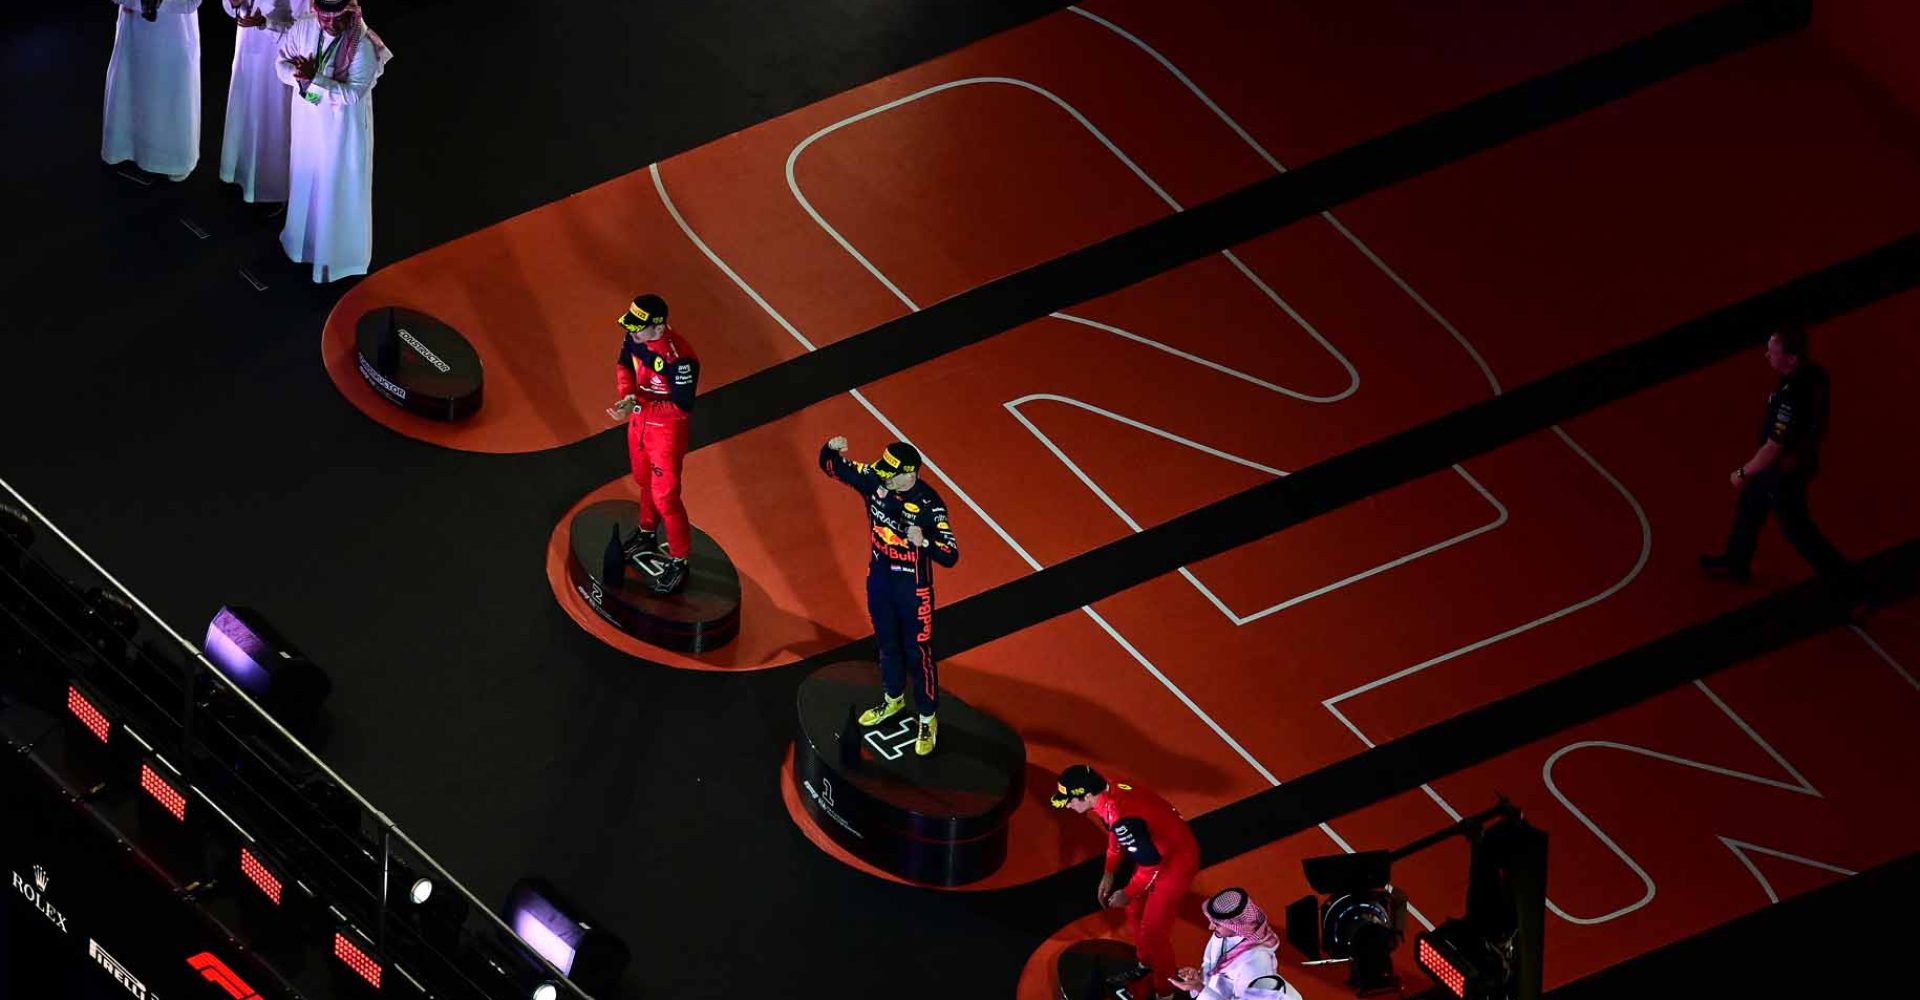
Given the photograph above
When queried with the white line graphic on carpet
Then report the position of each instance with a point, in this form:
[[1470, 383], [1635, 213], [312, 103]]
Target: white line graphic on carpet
[[1740, 849], [793, 185], [960, 493], [1013, 407]]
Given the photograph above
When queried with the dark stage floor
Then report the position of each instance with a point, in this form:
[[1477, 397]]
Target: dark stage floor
[[178, 423]]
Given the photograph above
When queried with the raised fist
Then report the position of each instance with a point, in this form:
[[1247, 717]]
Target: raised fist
[[837, 443]]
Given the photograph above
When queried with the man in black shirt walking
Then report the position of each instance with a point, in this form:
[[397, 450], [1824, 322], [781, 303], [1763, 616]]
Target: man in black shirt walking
[[1777, 476]]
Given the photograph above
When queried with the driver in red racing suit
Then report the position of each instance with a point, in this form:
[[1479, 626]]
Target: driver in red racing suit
[[656, 375], [1146, 829]]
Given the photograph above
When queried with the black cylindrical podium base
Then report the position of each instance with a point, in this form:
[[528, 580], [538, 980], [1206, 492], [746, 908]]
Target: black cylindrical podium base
[[418, 363], [704, 615], [940, 819], [1082, 969]]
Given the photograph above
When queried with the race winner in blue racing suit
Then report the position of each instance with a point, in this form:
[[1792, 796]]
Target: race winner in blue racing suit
[[909, 533]]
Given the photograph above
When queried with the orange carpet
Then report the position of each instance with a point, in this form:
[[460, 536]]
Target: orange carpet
[[1064, 434]]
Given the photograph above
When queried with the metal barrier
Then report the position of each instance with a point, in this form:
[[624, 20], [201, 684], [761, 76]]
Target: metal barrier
[[75, 621]]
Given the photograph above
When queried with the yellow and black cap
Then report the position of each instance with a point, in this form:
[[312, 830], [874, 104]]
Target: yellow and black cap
[[1074, 782], [898, 459], [646, 311]]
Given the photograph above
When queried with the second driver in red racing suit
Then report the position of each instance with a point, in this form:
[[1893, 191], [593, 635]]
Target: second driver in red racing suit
[[1147, 830], [909, 531]]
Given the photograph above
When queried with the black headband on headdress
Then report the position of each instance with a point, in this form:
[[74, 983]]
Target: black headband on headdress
[[1227, 904]]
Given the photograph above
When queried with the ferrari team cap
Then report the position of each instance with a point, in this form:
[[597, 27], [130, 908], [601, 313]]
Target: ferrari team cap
[[1076, 781], [646, 310], [898, 459]]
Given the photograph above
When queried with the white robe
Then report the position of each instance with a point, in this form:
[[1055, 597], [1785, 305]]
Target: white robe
[[153, 89], [330, 190], [253, 152], [1232, 982]]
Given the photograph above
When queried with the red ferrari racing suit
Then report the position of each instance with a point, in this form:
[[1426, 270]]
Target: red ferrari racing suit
[[661, 376], [1145, 828]]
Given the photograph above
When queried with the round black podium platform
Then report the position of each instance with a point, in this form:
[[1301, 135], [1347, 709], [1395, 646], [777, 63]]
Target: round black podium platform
[[940, 819], [704, 615], [1083, 968], [418, 363]]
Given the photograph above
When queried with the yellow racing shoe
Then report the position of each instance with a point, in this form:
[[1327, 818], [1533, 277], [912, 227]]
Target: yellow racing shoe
[[929, 729], [890, 706]]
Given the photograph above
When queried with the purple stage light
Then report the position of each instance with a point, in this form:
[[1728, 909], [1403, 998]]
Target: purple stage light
[[246, 649], [239, 651], [544, 928], [562, 933]]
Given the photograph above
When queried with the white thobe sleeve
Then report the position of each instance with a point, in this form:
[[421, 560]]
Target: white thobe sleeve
[[367, 63], [278, 13], [1249, 966], [283, 65]]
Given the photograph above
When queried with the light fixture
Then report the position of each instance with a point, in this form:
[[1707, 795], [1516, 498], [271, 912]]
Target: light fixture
[[355, 957], [1460, 959], [164, 787], [254, 656], [435, 913], [564, 935], [1364, 928], [546, 991], [16, 529], [1360, 922], [1341, 873], [84, 709], [264, 874], [110, 622], [1444, 971], [1493, 951]]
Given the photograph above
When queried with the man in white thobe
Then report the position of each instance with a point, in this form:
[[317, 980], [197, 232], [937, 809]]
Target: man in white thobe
[[153, 88], [331, 60], [253, 152]]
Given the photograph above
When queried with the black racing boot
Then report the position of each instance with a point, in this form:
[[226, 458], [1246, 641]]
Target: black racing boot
[[673, 576], [642, 543], [1139, 971]]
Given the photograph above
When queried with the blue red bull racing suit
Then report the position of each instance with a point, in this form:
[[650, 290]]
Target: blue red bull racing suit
[[900, 574]]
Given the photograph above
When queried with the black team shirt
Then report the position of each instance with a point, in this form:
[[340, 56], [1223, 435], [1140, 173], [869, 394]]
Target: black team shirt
[[1796, 417]]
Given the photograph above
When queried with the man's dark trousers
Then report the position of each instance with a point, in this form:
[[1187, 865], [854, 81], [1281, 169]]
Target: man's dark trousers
[[1785, 496]]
